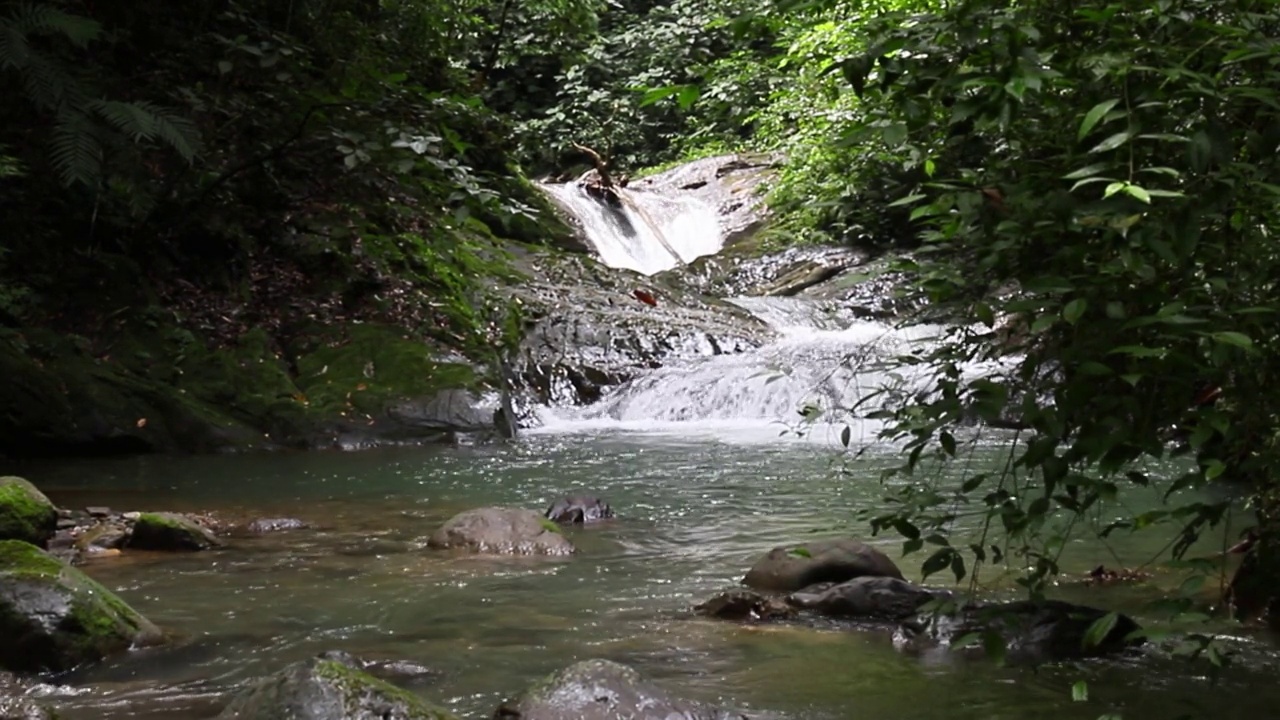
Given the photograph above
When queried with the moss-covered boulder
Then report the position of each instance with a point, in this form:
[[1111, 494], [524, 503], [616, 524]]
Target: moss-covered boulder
[[54, 617], [170, 532], [25, 513], [327, 689], [501, 531], [604, 690]]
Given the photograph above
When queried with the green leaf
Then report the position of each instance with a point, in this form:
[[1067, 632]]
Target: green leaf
[[801, 551], [1230, 337], [1088, 171], [1138, 193], [937, 562], [1074, 310], [1100, 629], [224, 67], [948, 442], [1112, 142], [845, 435], [1080, 691], [906, 200], [1092, 117]]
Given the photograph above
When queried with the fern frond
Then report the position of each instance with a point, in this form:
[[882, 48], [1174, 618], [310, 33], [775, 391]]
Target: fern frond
[[143, 121], [49, 85], [132, 119], [76, 153], [177, 132], [31, 18], [14, 51]]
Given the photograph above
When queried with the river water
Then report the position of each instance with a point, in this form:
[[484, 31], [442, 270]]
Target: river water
[[693, 515]]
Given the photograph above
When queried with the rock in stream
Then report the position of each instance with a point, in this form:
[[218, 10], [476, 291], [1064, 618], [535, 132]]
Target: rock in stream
[[795, 567], [54, 617], [501, 531], [604, 690], [25, 513]]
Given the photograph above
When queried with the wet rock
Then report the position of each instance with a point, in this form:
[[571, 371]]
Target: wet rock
[[867, 597], [25, 513], [732, 184], [795, 567], [170, 531], [579, 510], [604, 690], [1033, 632], [262, 526], [98, 511], [746, 605], [588, 331], [328, 689], [103, 536], [54, 617], [501, 531], [385, 669]]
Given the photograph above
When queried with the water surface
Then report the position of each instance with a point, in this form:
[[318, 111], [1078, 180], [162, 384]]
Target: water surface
[[694, 512]]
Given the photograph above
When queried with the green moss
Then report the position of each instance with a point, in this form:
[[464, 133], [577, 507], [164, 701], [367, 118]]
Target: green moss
[[373, 366], [549, 526], [25, 513], [96, 621], [357, 683]]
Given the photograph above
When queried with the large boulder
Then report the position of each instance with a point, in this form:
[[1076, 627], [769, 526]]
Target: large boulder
[[795, 567], [328, 689], [578, 510], [25, 513], [501, 531], [1031, 632], [54, 617], [170, 531], [604, 690], [868, 597]]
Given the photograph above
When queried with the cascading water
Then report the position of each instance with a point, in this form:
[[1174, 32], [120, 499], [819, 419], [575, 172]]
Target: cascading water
[[824, 370], [648, 232]]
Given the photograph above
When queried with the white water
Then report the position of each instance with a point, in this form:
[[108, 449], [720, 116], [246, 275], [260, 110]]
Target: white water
[[839, 368], [649, 233]]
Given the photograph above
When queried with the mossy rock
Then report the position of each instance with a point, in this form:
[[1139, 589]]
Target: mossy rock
[[25, 513], [54, 617], [322, 689], [170, 531], [501, 531]]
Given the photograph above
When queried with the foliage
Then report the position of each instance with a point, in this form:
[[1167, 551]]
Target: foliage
[[1095, 190]]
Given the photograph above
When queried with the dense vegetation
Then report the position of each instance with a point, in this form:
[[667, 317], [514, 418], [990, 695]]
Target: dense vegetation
[[1095, 184]]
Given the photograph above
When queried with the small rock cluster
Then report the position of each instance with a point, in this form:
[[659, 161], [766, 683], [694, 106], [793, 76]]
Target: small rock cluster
[[847, 580]]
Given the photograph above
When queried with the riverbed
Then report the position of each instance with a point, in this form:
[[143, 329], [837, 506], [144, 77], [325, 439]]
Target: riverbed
[[693, 511]]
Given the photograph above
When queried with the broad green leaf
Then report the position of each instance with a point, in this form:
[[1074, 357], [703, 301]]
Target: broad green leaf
[[1080, 691], [1137, 193], [1087, 171], [1112, 142], [1074, 310], [1230, 337], [1100, 629], [906, 200], [1092, 117]]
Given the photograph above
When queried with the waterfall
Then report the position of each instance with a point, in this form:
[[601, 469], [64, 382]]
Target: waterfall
[[649, 233], [825, 370]]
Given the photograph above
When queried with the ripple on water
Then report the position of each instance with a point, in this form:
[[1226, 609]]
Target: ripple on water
[[693, 515]]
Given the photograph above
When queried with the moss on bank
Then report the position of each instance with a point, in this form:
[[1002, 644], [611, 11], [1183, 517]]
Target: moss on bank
[[157, 387]]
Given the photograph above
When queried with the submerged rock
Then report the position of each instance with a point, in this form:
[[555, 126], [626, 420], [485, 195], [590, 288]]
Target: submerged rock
[[1031, 631], [604, 690], [262, 526], [25, 513], [579, 510], [328, 689], [791, 568], [54, 617], [170, 531], [868, 597], [501, 531], [746, 605]]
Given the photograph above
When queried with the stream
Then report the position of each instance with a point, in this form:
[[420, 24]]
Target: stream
[[707, 469]]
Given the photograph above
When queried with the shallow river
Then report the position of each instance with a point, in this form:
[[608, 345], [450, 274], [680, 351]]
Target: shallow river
[[693, 514]]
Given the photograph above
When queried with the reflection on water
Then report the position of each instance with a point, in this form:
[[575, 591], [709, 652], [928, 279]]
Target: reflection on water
[[692, 517]]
